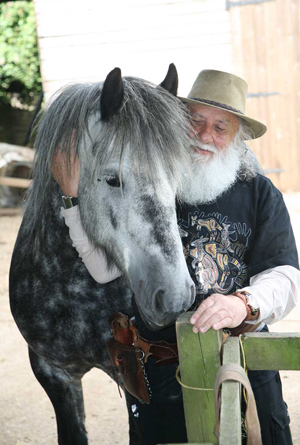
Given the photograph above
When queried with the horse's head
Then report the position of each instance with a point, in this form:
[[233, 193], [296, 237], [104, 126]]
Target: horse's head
[[133, 150]]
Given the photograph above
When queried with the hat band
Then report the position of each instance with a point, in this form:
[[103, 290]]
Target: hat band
[[217, 104]]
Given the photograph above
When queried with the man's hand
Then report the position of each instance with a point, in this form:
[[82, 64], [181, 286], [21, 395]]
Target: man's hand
[[219, 311], [66, 178]]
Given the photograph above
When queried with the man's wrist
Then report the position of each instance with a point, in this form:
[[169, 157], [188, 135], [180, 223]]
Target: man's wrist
[[250, 303]]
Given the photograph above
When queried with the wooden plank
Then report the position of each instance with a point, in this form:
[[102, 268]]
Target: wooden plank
[[10, 211], [272, 351], [68, 62], [261, 103], [290, 50], [15, 182], [230, 417], [269, 149], [282, 122], [205, 29], [266, 33], [70, 22], [199, 358], [25, 151], [173, 32]]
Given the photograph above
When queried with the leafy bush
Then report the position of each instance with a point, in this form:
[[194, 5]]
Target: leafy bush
[[20, 79]]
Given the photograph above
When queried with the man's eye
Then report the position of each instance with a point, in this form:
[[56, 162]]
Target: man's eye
[[112, 181], [220, 129], [197, 123]]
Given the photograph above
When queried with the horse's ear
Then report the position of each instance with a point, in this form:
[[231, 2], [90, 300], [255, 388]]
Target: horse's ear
[[170, 82], [112, 94]]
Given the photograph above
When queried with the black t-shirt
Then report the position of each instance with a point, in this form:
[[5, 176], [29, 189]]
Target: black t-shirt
[[246, 231]]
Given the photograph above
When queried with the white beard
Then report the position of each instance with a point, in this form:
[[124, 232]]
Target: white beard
[[210, 178]]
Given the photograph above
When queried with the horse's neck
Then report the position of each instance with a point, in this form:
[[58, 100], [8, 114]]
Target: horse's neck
[[49, 224]]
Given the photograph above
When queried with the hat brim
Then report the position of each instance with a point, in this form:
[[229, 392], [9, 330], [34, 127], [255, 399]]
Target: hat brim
[[258, 128]]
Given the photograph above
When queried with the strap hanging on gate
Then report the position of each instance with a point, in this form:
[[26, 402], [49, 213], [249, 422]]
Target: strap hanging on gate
[[232, 371]]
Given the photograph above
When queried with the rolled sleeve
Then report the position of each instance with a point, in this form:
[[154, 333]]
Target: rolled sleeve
[[276, 291]]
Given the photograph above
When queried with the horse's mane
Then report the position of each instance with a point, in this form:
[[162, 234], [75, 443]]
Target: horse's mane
[[151, 122]]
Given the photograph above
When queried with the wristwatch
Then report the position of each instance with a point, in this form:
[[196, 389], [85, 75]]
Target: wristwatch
[[251, 304], [69, 201]]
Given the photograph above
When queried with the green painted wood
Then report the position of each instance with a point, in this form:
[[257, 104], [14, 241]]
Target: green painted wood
[[272, 351], [230, 417], [199, 358]]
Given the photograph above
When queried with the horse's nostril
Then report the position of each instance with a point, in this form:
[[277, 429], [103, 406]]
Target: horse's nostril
[[159, 300]]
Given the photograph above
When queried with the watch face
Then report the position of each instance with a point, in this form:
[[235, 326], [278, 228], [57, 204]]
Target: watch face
[[252, 303]]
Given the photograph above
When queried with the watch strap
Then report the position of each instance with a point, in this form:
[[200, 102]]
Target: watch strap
[[251, 314], [69, 201]]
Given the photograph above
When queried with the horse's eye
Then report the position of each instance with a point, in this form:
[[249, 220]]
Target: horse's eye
[[113, 181]]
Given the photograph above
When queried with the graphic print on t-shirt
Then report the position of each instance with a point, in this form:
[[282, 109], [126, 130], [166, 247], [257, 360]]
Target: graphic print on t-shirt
[[214, 249]]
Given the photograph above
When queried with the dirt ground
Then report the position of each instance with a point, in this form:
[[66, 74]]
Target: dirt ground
[[26, 414]]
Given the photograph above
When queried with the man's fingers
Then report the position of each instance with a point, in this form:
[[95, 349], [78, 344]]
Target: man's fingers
[[205, 305], [206, 309], [216, 320], [223, 324], [217, 312], [66, 174]]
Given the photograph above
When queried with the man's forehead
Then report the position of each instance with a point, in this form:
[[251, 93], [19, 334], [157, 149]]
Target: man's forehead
[[209, 112]]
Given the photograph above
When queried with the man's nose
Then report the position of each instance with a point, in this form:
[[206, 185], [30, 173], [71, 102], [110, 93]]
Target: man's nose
[[205, 136]]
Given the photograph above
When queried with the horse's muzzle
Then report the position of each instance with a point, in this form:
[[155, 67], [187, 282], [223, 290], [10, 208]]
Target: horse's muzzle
[[164, 308]]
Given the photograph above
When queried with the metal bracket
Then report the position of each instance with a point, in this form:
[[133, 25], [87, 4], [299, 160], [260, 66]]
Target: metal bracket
[[230, 4]]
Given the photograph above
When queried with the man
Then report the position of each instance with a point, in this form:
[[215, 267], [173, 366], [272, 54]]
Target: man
[[239, 247]]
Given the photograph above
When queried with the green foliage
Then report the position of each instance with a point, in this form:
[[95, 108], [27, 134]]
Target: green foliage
[[20, 78]]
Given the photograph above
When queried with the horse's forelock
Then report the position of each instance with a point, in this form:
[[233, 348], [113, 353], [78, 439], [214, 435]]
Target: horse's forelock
[[151, 123]]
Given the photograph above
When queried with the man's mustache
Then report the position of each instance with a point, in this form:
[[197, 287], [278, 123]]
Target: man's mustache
[[207, 147]]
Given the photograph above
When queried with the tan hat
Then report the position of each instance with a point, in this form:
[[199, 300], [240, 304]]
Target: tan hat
[[225, 91]]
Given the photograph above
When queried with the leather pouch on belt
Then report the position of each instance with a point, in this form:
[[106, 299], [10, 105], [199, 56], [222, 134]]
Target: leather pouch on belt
[[128, 360]]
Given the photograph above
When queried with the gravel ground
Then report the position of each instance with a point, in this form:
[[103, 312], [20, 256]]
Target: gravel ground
[[26, 414]]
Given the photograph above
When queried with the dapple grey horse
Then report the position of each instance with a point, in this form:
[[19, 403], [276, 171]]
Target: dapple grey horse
[[132, 140]]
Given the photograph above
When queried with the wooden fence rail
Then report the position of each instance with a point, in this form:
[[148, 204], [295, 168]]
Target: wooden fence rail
[[200, 357], [15, 182]]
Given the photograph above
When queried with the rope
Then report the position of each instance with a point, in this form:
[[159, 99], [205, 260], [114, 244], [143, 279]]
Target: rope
[[189, 387], [243, 353], [245, 394]]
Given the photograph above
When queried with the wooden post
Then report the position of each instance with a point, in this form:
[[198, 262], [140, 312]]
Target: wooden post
[[230, 418], [199, 358]]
